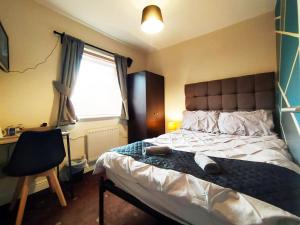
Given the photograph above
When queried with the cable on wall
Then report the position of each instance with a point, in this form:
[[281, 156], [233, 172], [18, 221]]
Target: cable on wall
[[39, 63]]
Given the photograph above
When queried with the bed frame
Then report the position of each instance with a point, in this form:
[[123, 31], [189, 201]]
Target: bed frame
[[245, 93], [108, 185]]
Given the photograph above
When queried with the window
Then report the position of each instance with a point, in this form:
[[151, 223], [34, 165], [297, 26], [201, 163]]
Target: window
[[97, 93]]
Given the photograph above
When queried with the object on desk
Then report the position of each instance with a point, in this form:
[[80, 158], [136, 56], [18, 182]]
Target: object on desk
[[44, 125], [19, 128], [10, 131], [13, 130], [1, 133]]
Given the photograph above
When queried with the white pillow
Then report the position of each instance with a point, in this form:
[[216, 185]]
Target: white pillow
[[254, 123], [206, 121]]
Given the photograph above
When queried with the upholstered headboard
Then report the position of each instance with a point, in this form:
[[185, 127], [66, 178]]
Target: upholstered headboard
[[244, 93]]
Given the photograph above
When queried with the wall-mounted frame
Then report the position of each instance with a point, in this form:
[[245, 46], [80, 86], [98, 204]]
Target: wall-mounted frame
[[4, 50]]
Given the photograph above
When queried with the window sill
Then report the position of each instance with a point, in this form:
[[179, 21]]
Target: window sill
[[90, 119]]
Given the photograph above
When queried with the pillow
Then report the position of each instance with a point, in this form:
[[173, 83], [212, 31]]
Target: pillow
[[206, 121], [255, 123]]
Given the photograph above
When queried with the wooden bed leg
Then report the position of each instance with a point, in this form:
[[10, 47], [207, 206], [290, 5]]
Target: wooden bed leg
[[101, 201]]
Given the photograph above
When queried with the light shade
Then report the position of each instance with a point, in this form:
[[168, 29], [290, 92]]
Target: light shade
[[152, 21]]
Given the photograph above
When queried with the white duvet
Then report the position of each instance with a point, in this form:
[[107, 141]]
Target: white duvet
[[190, 200]]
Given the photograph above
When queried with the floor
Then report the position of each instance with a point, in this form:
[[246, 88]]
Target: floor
[[43, 208]]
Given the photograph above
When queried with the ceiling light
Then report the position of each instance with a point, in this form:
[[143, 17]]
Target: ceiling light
[[152, 21]]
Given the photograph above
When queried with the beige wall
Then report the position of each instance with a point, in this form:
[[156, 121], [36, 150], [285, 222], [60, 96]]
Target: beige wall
[[245, 48], [29, 98]]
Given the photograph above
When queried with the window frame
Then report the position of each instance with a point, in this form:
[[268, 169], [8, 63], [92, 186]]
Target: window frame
[[91, 51]]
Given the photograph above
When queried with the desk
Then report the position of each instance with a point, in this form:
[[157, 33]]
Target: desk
[[14, 139], [9, 140]]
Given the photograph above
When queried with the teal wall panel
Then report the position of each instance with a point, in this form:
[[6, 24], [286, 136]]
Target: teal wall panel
[[291, 24], [289, 48], [291, 134], [288, 88], [277, 8], [277, 24], [293, 93]]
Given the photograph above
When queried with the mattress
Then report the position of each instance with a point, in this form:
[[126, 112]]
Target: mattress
[[190, 200]]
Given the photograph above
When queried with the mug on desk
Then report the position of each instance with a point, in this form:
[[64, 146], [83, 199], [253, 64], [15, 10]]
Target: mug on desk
[[11, 131], [2, 133]]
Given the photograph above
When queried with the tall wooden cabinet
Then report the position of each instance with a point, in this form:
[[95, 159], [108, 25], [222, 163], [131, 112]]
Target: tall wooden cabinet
[[146, 105]]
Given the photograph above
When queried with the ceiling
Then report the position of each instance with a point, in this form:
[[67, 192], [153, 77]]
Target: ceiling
[[184, 19]]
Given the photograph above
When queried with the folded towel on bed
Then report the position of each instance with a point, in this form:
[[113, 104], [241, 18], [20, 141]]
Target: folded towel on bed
[[207, 164], [156, 150]]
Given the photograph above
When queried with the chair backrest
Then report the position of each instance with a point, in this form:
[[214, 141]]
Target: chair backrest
[[36, 152]]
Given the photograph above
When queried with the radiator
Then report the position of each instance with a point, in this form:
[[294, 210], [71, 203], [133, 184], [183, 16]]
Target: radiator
[[101, 140]]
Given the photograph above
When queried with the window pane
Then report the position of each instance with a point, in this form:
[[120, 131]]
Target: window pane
[[97, 92]]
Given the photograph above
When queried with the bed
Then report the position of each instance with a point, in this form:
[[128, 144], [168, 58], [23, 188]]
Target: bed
[[181, 198]]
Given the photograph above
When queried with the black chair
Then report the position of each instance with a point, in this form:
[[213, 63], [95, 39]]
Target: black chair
[[36, 154]]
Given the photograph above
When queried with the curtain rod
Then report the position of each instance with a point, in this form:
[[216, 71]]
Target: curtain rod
[[129, 60]]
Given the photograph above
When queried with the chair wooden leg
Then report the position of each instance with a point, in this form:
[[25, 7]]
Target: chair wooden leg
[[56, 186], [16, 193], [51, 186], [24, 194]]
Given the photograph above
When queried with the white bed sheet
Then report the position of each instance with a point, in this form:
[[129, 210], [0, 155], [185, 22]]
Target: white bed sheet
[[190, 200]]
